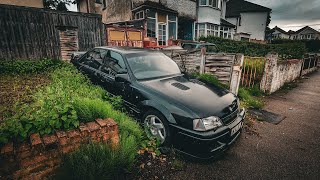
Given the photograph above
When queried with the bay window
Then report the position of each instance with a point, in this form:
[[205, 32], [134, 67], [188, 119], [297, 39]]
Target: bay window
[[202, 30], [210, 3]]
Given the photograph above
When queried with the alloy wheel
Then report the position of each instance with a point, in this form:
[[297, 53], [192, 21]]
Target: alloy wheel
[[154, 128]]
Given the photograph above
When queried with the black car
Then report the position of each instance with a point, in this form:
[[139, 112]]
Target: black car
[[198, 119], [210, 48]]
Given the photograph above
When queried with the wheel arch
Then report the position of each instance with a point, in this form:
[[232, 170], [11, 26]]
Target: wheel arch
[[151, 105]]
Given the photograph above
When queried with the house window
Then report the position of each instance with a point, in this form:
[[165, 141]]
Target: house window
[[151, 24], [225, 32], [212, 30], [239, 21], [139, 15], [172, 21], [210, 3], [202, 30]]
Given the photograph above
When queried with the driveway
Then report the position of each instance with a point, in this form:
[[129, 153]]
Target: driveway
[[289, 150]]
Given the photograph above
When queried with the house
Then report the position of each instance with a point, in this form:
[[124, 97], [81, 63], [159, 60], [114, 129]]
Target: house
[[249, 19], [211, 19], [166, 19], [278, 33], [28, 3], [305, 33], [162, 19]]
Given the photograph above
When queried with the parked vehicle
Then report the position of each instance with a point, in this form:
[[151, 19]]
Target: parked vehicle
[[211, 48], [198, 119]]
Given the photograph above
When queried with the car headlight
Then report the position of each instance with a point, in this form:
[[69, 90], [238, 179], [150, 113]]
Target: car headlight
[[206, 124]]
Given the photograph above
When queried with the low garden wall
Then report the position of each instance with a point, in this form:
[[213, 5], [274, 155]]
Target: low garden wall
[[38, 157], [277, 73]]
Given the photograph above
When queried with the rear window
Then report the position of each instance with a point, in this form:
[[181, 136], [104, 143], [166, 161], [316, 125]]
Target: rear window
[[211, 48]]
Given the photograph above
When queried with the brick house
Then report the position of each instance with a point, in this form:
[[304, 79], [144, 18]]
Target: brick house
[[28, 3]]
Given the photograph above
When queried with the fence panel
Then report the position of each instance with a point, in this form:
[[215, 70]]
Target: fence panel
[[252, 71], [310, 63], [34, 33]]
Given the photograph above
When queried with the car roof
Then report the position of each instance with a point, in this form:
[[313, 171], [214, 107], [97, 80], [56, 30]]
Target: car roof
[[126, 50]]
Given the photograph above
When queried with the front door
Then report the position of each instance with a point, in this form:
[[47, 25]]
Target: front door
[[162, 34]]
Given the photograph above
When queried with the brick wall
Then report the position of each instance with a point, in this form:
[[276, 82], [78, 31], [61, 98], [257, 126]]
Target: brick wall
[[39, 156]]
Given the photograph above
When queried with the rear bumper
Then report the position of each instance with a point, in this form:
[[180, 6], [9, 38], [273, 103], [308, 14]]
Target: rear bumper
[[206, 145]]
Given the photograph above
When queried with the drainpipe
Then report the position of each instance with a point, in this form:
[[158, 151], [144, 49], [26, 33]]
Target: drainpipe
[[88, 10]]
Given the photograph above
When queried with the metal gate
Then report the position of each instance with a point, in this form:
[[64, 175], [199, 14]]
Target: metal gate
[[252, 72]]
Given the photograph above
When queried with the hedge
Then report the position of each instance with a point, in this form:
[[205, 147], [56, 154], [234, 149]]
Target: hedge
[[311, 45], [285, 50]]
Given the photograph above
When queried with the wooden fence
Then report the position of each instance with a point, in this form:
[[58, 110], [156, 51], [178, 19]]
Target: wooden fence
[[226, 67], [33, 33]]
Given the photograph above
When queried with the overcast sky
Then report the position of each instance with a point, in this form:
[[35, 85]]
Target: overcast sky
[[288, 14], [293, 14]]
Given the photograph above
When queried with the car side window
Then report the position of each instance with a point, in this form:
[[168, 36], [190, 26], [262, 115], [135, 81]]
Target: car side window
[[113, 63], [93, 59]]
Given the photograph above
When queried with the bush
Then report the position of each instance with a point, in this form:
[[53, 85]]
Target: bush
[[99, 161], [27, 67], [311, 45], [286, 50]]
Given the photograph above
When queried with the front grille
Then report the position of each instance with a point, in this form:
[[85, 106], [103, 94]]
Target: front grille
[[230, 118]]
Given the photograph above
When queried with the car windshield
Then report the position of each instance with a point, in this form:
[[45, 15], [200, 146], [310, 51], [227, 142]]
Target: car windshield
[[152, 65]]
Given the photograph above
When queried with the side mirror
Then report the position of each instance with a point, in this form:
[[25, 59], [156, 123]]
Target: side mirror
[[122, 78]]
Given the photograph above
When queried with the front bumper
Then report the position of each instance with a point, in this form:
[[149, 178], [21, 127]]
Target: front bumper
[[206, 145]]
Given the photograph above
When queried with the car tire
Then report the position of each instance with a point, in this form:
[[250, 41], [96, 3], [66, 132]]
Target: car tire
[[159, 129]]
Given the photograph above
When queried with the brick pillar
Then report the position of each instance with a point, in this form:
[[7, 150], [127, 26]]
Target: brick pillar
[[68, 43]]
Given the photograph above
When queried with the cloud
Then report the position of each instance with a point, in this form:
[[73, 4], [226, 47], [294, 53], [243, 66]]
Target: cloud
[[296, 13]]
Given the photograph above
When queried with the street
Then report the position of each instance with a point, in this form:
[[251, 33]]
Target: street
[[289, 150]]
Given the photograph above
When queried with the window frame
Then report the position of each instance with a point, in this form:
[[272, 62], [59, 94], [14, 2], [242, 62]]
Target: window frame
[[155, 24], [215, 5], [176, 26], [139, 13]]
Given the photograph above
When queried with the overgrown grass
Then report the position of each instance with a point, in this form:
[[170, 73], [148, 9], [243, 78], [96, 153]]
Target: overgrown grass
[[66, 101], [248, 99], [99, 161], [58, 106], [211, 79], [28, 66]]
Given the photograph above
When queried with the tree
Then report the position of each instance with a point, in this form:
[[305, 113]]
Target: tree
[[60, 5]]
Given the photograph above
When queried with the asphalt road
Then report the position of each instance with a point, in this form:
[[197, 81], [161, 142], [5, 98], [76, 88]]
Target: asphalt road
[[289, 150]]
